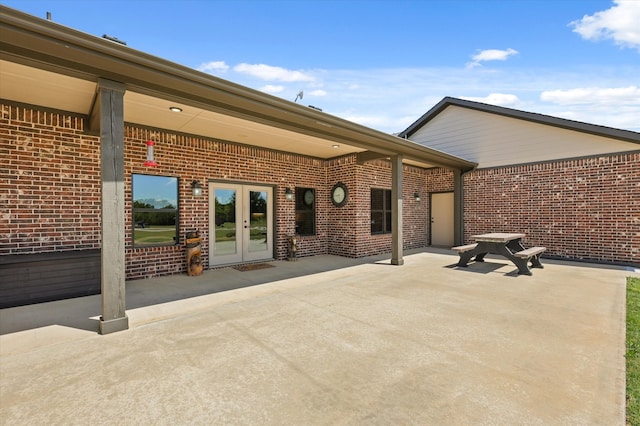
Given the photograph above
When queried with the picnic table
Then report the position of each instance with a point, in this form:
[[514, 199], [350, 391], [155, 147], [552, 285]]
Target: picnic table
[[504, 244]]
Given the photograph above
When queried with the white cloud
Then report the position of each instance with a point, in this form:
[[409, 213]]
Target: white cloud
[[594, 95], [390, 99], [373, 121], [271, 73], [621, 23], [270, 88], [318, 92], [500, 99], [213, 67], [490, 55]]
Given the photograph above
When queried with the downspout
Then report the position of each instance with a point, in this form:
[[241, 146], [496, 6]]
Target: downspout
[[458, 205]]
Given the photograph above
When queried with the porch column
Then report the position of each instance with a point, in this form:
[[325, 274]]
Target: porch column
[[396, 210], [458, 208], [110, 107]]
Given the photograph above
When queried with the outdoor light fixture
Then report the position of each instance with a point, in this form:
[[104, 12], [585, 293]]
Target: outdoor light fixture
[[416, 196], [288, 194], [196, 188], [175, 109], [336, 146], [150, 161]]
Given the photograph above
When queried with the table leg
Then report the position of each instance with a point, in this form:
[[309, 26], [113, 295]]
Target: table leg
[[535, 262], [507, 251], [465, 258], [477, 253]]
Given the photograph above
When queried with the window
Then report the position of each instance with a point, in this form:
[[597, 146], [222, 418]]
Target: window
[[305, 211], [155, 210], [380, 211]]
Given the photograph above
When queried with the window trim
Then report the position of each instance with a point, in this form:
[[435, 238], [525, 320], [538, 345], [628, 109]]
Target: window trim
[[176, 210], [299, 201], [386, 210]]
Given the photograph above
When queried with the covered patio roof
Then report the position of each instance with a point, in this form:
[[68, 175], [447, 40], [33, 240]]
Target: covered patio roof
[[47, 64]]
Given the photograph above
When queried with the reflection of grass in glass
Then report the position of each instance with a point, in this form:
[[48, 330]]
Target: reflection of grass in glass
[[226, 232], [258, 234], [155, 235]]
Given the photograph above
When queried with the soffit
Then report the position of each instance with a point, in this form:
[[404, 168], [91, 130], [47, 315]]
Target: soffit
[[24, 84]]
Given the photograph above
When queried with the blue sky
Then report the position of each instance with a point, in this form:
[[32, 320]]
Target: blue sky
[[385, 63]]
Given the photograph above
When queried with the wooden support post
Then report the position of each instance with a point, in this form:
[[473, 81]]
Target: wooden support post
[[110, 101], [396, 210]]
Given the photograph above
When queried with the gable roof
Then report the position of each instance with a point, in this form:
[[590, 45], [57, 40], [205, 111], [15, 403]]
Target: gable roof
[[623, 135]]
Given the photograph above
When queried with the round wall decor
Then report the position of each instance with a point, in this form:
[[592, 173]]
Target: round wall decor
[[339, 194]]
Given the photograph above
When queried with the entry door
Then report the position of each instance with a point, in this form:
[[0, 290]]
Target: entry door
[[240, 223], [442, 219]]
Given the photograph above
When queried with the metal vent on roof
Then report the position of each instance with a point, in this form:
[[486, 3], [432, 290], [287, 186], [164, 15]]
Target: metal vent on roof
[[114, 39]]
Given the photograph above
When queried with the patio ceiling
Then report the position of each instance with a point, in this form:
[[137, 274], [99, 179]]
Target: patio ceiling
[[43, 63], [29, 85]]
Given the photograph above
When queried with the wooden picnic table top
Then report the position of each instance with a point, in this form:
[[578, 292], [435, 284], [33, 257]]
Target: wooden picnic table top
[[497, 237]]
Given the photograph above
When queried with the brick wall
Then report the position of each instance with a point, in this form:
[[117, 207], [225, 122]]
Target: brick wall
[[585, 209], [49, 182], [351, 224], [194, 158], [50, 195]]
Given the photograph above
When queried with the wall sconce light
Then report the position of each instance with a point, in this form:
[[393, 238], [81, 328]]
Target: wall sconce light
[[150, 161], [196, 188], [288, 194], [416, 196]]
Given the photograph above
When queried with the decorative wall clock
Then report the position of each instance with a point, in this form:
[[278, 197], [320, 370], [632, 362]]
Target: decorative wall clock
[[339, 194]]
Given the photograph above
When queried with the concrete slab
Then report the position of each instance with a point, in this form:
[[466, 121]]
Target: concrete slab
[[329, 340]]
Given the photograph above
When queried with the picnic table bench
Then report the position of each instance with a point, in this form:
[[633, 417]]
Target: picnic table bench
[[504, 244]]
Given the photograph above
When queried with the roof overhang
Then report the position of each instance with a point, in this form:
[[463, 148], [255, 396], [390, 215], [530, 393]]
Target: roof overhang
[[578, 126], [46, 64]]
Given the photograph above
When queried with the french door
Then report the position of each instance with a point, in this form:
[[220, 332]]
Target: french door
[[240, 223]]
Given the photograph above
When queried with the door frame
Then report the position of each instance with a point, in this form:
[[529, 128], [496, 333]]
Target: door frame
[[240, 255], [453, 220]]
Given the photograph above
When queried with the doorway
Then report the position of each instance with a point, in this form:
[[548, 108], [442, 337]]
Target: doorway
[[240, 223], [442, 219]]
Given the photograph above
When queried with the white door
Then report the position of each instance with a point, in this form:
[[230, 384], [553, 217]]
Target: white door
[[240, 223], [442, 219]]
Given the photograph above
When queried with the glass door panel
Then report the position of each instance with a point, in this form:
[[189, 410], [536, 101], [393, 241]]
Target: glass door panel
[[240, 223], [225, 241], [258, 238], [225, 219], [257, 221]]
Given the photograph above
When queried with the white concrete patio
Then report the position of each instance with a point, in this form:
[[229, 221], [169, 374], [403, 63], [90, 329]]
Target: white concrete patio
[[329, 340]]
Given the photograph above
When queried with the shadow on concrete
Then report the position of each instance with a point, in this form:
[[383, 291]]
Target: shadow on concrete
[[479, 267], [83, 313]]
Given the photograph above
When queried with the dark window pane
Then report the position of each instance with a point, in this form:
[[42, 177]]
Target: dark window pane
[[377, 199], [377, 223], [380, 211], [304, 223], [305, 211]]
